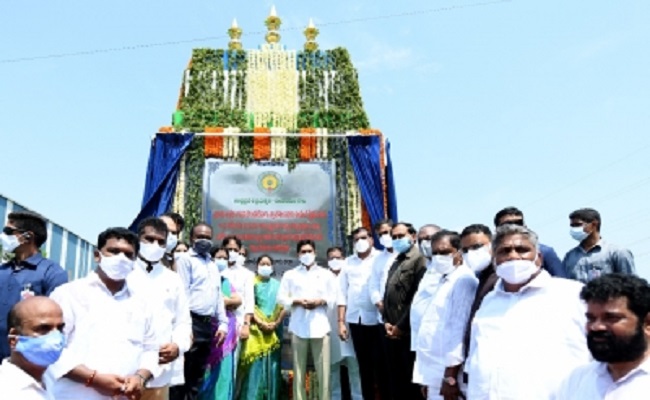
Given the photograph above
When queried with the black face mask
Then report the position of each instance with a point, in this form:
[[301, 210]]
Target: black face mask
[[202, 246], [617, 349]]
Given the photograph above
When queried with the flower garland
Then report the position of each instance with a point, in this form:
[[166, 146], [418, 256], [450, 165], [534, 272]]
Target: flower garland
[[322, 144], [231, 143], [261, 144], [213, 145], [178, 204], [195, 164], [354, 200], [307, 144], [272, 86], [278, 143]]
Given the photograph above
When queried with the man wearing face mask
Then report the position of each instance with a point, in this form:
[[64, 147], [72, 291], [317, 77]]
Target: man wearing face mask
[[439, 314], [28, 273], [175, 225], [594, 256], [356, 310], [202, 284], [112, 345], [550, 261], [36, 341], [475, 243], [618, 331], [425, 233], [344, 374], [164, 288], [309, 291], [403, 279], [243, 280], [381, 265], [528, 334]]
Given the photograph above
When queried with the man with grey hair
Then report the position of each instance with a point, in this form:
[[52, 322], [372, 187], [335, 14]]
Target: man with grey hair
[[528, 334], [425, 233]]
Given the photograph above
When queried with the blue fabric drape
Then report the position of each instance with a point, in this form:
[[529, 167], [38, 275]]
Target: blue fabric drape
[[162, 174], [390, 187], [365, 153]]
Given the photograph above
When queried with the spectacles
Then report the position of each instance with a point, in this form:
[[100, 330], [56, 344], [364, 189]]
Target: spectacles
[[7, 230]]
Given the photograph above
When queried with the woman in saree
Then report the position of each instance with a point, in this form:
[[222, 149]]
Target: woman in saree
[[218, 380], [259, 364]]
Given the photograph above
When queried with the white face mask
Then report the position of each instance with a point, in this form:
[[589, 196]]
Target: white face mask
[[151, 252], [425, 248], [335, 265], [116, 267], [265, 270], [443, 264], [478, 259], [221, 264], [172, 241], [386, 241], [9, 242], [361, 246], [233, 255], [241, 260], [516, 272], [307, 259]]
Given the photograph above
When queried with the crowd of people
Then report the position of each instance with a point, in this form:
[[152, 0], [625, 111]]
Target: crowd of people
[[485, 313]]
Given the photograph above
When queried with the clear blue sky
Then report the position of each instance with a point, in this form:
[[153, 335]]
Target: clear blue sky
[[542, 105]]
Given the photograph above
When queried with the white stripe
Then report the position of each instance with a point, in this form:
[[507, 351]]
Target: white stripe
[[64, 249]]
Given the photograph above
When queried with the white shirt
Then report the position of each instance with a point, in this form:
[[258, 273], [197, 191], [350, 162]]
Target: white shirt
[[243, 281], [17, 384], [594, 382], [202, 284], [110, 333], [311, 284], [354, 281], [377, 285], [339, 349], [444, 309], [172, 321], [524, 344]]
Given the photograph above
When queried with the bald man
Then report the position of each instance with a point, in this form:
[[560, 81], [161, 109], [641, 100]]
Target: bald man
[[35, 341]]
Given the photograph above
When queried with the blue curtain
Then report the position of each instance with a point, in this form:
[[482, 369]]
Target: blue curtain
[[162, 174], [390, 186], [365, 152]]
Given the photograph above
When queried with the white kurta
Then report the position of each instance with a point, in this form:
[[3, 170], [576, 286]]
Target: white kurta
[[172, 320], [110, 333], [594, 382], [311, 284], [439, 339], [378, 277], [339, 349], [354, 282], [243, 281], [17, 384], [524, 344]]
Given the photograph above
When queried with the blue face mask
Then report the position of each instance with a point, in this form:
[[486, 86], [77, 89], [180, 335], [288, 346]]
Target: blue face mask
[[221, 264], [402, 245], [578, 233], [41, 350]]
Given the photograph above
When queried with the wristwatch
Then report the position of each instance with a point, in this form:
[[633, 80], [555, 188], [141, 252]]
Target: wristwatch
[[450, 380]]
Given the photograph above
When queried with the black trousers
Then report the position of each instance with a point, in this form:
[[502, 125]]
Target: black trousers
[[400, 360], [367, 344], [195, 360]]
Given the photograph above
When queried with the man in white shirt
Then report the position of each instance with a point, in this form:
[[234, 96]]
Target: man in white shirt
[[439, 315], [35, 341], [242, 280], [356, 310], [112, 346], [341, 351], [202, 284], [308, 291], [164, 289], [528, 334], [618, 332]]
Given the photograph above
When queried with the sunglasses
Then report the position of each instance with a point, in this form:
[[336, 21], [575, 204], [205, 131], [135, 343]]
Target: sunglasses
[[7, 230], [519, 222]]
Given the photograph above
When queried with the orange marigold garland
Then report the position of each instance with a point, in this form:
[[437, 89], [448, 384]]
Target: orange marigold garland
[[262, 144], [213, 145], [307, 142]]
